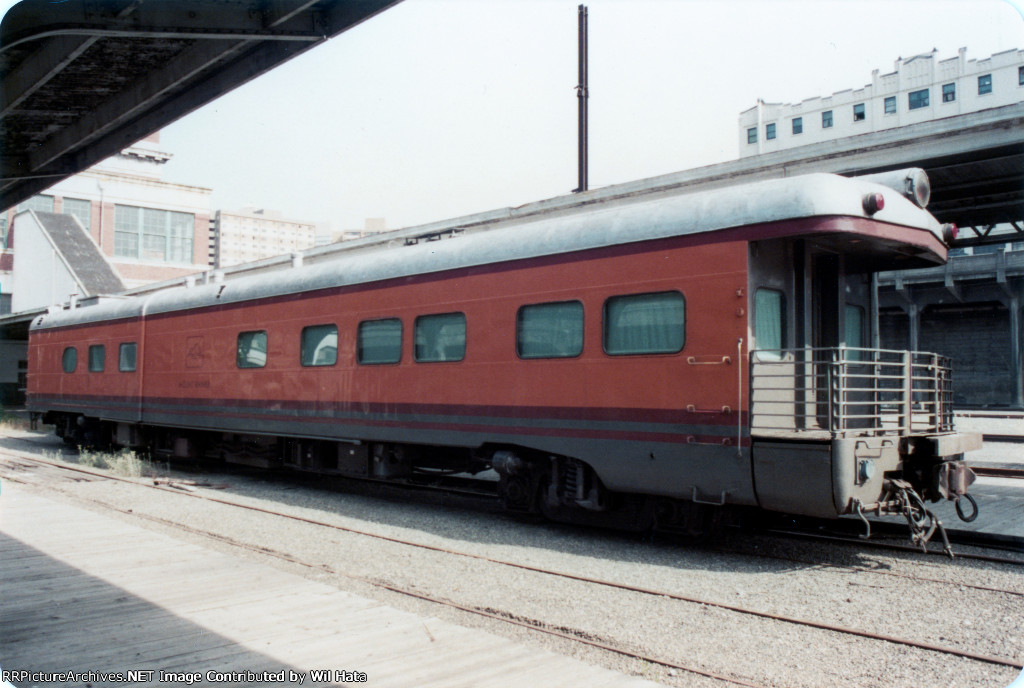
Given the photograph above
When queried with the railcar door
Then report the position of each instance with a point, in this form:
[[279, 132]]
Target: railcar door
[[795, 289], [825, 298]]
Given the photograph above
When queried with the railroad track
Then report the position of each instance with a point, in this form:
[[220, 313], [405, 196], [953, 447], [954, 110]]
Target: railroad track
[[22, 462], [1002, 438], [993, 472]]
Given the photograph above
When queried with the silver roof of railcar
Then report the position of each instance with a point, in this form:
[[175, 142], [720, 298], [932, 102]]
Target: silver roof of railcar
[[507, 237]]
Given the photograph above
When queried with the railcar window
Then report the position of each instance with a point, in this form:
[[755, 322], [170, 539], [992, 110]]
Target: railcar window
[[550, 330], [769, 322], [252, 349], [126, 357], [320, 345], [645, 323], [379, 341], [69, 361], [97, 357], [440, 337]]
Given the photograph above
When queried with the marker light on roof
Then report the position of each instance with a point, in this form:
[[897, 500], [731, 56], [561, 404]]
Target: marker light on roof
[[873, 202], [950, 232]]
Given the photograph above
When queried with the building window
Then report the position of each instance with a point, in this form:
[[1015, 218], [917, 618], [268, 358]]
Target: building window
[[40, 202], [752, 135], [440, 337], [5, 304], [984, 84], [826, 119], [69, 360], [890, 105], [379, 341], [948, 93], [150, 234], [3, 230], [80, 209], [858, 112], [798, 125], [550, 330], [251, 349], [319, 345], [1020, 76], [769, 131], [97, 358], [126, 357], [917, 99], [645, 324]]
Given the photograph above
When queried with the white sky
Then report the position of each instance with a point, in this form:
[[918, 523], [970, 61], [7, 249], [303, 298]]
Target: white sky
[[439, 108]]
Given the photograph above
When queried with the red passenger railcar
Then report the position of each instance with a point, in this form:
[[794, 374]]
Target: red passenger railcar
[[632, 361]]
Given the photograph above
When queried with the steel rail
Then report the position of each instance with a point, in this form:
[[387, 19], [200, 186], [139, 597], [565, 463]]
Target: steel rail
[[932, 647], [994, 472], [875, 544]]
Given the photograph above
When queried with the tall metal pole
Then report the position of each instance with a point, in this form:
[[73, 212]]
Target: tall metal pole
[[582, 95]]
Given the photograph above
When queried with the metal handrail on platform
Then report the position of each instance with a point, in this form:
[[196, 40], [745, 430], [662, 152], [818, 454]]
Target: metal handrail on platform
[[847, 391]]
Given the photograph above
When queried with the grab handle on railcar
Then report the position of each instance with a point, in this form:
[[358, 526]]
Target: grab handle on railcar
[[692, 360]]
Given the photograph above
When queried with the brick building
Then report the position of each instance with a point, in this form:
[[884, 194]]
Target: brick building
[[147, 228]]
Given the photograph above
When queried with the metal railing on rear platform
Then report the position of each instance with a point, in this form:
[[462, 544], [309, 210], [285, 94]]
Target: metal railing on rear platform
[[849, 392]]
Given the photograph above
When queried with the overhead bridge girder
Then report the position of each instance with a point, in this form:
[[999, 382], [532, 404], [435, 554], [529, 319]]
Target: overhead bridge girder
[[82, 79]]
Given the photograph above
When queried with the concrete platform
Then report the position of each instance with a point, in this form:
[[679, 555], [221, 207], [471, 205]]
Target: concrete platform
[[84, 592]]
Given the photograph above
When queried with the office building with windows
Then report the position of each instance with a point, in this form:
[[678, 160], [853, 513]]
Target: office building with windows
[[920, 88], [250, 234]]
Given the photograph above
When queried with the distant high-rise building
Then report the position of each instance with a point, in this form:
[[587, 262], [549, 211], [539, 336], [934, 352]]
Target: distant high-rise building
[[250, 234], [920, 88], [372, 226]]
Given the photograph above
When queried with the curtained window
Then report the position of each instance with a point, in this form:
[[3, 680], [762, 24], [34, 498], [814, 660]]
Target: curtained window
[[440, 337], [550, 330], [645, 323], [769, 320], [379, 341], [69, 361], [97, 358], [126, 357]]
